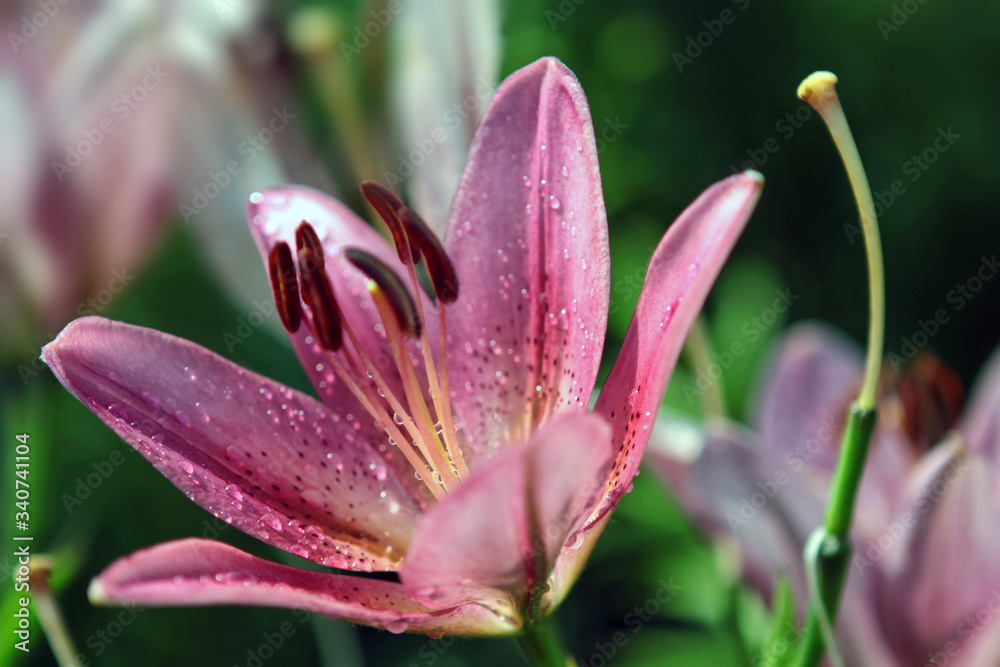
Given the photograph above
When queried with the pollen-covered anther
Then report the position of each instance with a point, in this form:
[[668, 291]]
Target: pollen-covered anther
[[309, 246], [285, 286], [388, 206], [318, 296], [389, 284], [439, 265]]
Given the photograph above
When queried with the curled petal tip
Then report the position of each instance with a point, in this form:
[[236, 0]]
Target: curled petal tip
[[97, 595]]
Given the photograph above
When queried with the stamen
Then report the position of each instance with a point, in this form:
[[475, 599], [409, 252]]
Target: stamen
[[387, 205], [430, 444], [307, 242], [439, 266], [376, 410], [285, 286], [443, 279], [318, 295], [392, 287]]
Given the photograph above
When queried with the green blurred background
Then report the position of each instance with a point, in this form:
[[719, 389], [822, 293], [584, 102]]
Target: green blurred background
[[684, 122]]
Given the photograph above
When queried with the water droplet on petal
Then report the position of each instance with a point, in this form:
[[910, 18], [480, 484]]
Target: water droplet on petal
[[554, 202], [271, 521], [234, 492], [235, 454], [397, 627], [186, 467]]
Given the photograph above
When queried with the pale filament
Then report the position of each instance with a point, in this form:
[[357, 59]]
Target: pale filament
[[434, 454]]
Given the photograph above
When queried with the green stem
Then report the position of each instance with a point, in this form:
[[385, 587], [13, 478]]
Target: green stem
[[49, 615], [543, 647], [698, 348], [828, 560], [853, 453]]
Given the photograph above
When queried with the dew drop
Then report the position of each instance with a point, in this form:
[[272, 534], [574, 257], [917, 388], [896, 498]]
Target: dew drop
[[313, 497], [397, 627], [633, 397], [235, 454], [186, 467], [554, 202], [271, 521], [149, 399], [234, 492]]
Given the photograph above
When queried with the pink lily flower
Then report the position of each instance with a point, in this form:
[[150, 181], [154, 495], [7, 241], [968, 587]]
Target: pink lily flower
[[452, 443], [924, 583]]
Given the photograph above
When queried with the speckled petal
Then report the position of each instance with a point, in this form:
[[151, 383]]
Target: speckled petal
[[499, 534], [680, 275], [528, 235], [274, 462], [204, 572]]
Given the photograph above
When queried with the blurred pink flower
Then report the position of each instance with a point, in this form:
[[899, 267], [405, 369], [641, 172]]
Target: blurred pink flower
[[115, 115], [924, 585], [489, 517]]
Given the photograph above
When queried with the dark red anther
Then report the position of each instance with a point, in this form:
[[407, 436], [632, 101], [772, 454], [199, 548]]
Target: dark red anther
[[439, 266], [391, 286], [388, 206], [309, 246], [318, 295], [284, 286], [932, 397]]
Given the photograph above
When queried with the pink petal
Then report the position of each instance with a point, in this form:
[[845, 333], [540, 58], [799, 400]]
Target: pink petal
[[204, 572], [939, 558], [275, 463], [528, 235], [680, 275], [500, 533], [981, 426], [736, 490], [274, 215], [811, 380]]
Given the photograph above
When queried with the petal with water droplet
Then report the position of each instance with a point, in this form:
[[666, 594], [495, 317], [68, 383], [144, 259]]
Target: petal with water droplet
[[704, 235], [242, 452], [204, 572], [539, 105], [535, 495]]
